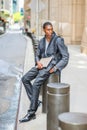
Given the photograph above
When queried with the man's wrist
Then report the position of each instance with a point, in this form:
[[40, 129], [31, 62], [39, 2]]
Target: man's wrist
[[55, 68]]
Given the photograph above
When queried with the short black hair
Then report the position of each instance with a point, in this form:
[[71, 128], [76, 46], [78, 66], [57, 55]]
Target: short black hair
[[46, 24]]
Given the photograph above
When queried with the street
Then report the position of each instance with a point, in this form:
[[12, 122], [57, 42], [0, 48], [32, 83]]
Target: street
[[12, 55]]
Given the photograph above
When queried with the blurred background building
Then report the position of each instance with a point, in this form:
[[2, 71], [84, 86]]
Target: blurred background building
[[27, 14], [14, 3], [6, 4], [69, 18]]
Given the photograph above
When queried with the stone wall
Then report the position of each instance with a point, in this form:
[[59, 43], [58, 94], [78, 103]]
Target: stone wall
[[84, 36], [68, 18], [78, 11]]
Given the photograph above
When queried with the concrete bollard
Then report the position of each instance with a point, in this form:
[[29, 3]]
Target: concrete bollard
[[53, 78], [58, 102], [72, 121]]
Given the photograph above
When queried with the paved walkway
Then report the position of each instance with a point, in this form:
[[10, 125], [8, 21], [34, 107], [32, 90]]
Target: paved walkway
[[74, 74]]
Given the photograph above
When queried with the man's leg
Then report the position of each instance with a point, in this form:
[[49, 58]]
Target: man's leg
[[40, 78], [29, 76]]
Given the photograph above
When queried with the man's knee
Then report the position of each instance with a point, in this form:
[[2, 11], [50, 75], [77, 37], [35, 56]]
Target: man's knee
[[25, 79], [39, 82]]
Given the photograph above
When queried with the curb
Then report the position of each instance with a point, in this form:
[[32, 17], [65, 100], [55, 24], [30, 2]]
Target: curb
[[28, 63], [3, 34]]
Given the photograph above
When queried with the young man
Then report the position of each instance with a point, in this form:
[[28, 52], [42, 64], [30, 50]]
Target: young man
[[49, 45]]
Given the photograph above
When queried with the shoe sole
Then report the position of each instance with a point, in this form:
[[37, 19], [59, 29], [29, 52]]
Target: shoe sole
[[32, 118]]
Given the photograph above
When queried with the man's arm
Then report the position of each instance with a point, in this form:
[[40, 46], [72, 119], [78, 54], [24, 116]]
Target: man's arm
[[37, 58], [37, 55], [64, 53], [63, 50]]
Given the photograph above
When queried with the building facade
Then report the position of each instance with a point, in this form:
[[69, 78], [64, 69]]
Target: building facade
[[69, 18], [27, 13], [14, 6], [6, 4]]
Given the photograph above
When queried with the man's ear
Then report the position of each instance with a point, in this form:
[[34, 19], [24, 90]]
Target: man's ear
[[44, 30]]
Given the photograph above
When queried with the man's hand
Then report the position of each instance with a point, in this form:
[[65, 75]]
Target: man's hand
[[53, 69], [39, 65]]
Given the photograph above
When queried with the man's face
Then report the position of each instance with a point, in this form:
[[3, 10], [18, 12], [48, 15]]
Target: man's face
[[48, 31]]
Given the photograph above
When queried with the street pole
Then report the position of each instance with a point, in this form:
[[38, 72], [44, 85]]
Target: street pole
[[37, 18], [48, 9]]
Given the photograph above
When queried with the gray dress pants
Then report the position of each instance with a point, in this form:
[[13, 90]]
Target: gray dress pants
[[33, 90]]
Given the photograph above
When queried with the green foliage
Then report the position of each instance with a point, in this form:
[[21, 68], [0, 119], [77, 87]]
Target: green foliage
[[17, 17], [4, 14]]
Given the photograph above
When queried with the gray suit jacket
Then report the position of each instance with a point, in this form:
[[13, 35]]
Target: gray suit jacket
[[57, 49]]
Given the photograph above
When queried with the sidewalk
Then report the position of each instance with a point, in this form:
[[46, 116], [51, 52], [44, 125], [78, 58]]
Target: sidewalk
[[40, 120], [74, 74]]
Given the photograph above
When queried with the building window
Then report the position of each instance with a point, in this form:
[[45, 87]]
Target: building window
[[14, 6]]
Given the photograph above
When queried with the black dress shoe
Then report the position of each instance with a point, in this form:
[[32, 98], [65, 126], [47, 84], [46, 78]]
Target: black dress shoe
[[30, 116]]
